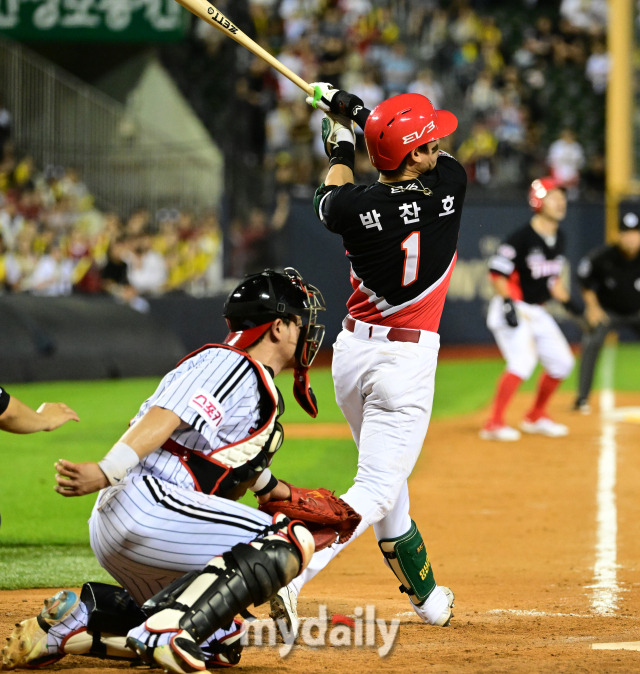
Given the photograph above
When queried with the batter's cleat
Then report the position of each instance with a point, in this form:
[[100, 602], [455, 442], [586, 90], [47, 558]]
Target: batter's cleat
[[582, 405], [27, 645], [436, 609], [545, 426], [500, 433], [284, 606]]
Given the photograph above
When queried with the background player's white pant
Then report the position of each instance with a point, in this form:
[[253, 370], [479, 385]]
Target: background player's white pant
[[536, 337], [385, 391], [146, 532]]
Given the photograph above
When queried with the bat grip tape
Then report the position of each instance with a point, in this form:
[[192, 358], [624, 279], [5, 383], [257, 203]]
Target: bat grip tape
[[317, 95]]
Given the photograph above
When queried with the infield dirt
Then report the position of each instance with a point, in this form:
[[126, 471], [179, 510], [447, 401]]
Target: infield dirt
[[510, 527]]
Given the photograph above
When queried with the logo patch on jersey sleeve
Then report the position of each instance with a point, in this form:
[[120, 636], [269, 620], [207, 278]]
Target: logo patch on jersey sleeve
[[207, 407]]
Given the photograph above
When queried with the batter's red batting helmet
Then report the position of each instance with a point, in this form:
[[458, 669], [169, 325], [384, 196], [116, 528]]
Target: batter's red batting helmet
[[401, 123], [539, 190]]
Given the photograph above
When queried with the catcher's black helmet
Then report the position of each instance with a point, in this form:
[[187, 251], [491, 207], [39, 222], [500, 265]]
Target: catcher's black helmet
[[262, 298]]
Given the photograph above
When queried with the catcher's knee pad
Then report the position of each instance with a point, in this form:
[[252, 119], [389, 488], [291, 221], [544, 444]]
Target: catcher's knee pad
[[112, 612], [247, 574], [166, 598], [407, 557]]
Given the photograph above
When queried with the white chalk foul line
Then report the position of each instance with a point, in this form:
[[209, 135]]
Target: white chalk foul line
[[531, 612], [605, 588], [620, 646]]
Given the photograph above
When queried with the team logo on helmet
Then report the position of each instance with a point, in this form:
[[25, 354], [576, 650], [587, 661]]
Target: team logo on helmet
[[416, 136]]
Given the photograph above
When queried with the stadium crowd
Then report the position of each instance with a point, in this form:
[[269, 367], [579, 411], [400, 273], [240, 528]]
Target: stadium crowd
[[518, 74], [526, 79], [54, 241]]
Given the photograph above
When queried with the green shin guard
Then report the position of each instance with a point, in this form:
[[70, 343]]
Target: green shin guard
[[408, 559]]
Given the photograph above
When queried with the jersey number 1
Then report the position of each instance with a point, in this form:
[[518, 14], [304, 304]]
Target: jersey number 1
[[411, 248]]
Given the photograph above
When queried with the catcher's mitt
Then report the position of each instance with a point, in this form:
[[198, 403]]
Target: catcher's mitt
[[326, 516]]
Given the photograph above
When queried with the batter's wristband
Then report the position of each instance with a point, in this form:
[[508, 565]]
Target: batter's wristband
[[118, 462], [361, 116], [343, 153], [273, 481]]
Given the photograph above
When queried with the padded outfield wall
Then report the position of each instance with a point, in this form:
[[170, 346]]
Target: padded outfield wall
[[93, 337]]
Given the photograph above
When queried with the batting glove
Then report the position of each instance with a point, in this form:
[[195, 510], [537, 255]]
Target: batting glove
[[336, 129], [510, 313], [337, 101]]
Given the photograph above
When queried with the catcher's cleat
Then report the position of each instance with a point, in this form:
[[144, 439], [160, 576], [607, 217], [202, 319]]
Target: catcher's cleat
[[27, 645], [284, 606], [183, 656], [436, 609]]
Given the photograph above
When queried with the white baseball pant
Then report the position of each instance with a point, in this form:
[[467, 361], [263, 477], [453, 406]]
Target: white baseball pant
[[385, 391], [536, 337]]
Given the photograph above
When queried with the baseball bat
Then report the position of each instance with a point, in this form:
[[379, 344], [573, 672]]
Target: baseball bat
[[204, 10]]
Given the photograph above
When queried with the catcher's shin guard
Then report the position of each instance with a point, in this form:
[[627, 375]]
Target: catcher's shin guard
[[112, 613], [247, 574], [407, 557]]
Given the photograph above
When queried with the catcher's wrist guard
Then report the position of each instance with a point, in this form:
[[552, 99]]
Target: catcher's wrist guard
[[118, 461], [265, 483]]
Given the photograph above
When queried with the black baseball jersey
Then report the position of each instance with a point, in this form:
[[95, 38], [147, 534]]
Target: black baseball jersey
[[4, 400], [401, 240], [530, 262], [614, 278]]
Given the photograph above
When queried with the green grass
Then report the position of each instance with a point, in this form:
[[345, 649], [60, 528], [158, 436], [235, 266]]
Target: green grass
[[48, 566], [44, 537]]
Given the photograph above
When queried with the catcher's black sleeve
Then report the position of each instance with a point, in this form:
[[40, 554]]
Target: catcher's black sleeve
[[4, 400]]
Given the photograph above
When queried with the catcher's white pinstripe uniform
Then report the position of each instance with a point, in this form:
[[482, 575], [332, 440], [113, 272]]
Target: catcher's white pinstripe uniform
[[156, 524], [167, 524]]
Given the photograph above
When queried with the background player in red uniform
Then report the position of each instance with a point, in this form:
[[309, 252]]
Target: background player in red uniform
[[525, 273], [400, 234]]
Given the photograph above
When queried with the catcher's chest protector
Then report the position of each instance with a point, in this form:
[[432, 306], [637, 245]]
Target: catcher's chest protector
[[220, 471]]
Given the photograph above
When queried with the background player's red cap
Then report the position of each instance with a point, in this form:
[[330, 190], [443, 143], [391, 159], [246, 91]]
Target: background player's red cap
[[400, 124], [539, 189]]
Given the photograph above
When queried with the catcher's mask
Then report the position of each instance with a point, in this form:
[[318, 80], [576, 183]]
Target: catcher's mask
[[255, 304]]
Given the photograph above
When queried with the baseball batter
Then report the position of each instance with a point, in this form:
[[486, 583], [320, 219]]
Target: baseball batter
[[525, 273], [400, 234], [610, 281], [167, 505]]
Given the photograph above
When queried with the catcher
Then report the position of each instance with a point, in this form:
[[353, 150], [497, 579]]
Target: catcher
[[167, 525]]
